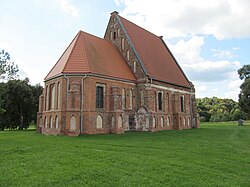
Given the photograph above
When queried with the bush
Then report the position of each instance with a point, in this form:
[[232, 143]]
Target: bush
[[220, 117], [237, 114], [202, 119]]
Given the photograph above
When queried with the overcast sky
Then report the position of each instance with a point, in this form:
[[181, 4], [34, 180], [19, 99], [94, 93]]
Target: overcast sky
[[210, 39]]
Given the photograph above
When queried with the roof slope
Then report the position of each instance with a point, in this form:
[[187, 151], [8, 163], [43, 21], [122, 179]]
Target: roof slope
[[155, 55], [89, 54]]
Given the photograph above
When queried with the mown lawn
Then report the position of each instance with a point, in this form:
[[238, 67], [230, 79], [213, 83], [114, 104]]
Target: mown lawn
[[218, 154]]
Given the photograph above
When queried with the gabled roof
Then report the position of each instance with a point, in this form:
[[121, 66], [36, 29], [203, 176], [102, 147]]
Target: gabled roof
[[156, 58], [88, 54]]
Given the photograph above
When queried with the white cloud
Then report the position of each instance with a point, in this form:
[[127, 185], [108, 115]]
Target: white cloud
[[68, 7], [220, 18], [218, 53]]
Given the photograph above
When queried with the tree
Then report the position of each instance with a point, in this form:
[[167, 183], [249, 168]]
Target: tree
[[8, 69], [18, 105], [244, 96]]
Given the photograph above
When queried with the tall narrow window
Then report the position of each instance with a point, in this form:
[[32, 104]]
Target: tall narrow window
[[118, 32], [99, 97], [111, 35], [50, 123], [58, 95], [99, 122], [134, 68], [128, 55], [182, 103], [114, 35], [123, 99], [130, 99], [47, 99], [56, 122], [73, 123], [159, 100], [122, 41], [52, 97]]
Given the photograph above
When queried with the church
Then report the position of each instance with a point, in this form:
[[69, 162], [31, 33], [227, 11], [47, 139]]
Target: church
[[127, 81]]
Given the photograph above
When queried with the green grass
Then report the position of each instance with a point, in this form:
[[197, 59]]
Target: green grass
[[218, 154]]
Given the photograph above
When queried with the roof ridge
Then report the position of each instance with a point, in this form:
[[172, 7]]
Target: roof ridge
[[140, 27], [61, 57], [85, 49], [76, 37]]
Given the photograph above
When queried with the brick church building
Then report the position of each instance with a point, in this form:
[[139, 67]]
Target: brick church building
[[127, 81]]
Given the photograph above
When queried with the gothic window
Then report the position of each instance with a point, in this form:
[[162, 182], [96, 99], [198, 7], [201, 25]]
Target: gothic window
[[99, 96], [182, 103], [128, 55], [123, 99], [47, 98], [114, 35], [119, 121], [56, 122], [160, 100], [154, 122], [111, 35], [188, 123], [168, 121], [50, 122], [162, 121], [58, 95], [99, 122], [134, 68], [118, 32], [130, 99], [45, 122], [122, 43], [147, 122], [72, 123], [52, 97]]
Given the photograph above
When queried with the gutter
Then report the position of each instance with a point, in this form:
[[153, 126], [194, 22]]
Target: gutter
[[81, 103]]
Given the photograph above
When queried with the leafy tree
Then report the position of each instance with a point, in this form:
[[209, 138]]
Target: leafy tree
[[244, 96], [37, 92], [8, 69]]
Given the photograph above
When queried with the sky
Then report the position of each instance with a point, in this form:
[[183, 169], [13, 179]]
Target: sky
[[209, 39]]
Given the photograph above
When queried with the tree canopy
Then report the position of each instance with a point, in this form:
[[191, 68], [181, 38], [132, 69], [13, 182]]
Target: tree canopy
[[8, 69], [20, 104], [244, 96]]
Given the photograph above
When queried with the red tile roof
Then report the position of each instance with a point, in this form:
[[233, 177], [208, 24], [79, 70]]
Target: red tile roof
[[155, 55], [90, 54]]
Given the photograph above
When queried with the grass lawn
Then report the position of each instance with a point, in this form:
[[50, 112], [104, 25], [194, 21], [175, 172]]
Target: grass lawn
[[217, 154]]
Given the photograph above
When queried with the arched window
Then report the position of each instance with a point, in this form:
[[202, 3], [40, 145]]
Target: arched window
[[58, 95], [147, 122], [56, 122], [123, 99], [50, 122], [111, 35], [73, 123], [119, 121], [114, 35], [182, 103], [168, 121], [188, 122], [184, 122], [130, 99], [180, 122], [52, 97], [40, 122], [128, 55], [113, 122], [122, 43], [99, 122], [45, 122], [47, 98], [160, 98], [134, 68], [154, 122], [118, 32], [162, 121]]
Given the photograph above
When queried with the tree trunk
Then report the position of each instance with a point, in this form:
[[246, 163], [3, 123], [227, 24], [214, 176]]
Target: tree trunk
[[21, 123]]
